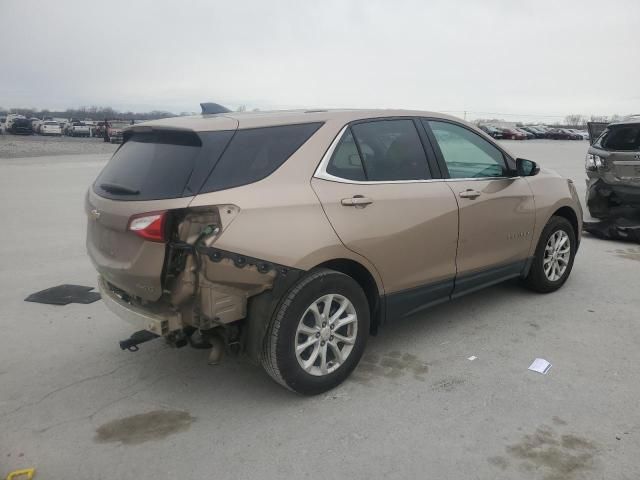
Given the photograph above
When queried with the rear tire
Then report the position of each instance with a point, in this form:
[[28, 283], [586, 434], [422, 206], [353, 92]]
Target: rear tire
[[552, 262], [322, 309]]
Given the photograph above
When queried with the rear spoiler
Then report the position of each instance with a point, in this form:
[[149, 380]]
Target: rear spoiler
[[209, 108]]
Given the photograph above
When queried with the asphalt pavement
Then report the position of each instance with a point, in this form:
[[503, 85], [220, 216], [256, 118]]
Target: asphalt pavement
[[74, 406]]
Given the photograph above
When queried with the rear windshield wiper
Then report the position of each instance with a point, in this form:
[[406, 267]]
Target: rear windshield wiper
[[118, 189]]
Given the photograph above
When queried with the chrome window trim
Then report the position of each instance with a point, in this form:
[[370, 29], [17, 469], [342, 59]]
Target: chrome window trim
[[321, 171]]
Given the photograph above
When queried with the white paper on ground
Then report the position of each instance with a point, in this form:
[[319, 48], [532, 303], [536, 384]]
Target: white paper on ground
[[540, 365], [472, 358]]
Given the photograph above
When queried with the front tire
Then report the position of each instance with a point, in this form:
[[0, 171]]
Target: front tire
[[318, 333], [554, 256]]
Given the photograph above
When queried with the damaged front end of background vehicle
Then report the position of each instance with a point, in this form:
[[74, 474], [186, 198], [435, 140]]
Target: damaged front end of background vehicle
[[613, 183]]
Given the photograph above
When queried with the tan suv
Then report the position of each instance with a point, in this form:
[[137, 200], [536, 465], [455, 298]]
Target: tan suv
[[291, 236]]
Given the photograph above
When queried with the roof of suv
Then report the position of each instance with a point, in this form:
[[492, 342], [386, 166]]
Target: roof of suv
[[634, 120], [226, 121]]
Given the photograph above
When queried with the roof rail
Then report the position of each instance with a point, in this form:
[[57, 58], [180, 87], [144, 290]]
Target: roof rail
[[209, 108]]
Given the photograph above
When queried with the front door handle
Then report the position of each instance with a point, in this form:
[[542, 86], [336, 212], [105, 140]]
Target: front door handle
[[356, 201], [469, 193]]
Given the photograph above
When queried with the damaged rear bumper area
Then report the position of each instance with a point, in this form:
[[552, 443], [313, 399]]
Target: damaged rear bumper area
[[618, 209], [615, 229], [606, 200], [207, 293], [150, 317]]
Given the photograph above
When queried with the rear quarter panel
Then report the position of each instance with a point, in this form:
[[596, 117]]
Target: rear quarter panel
[[280, 218]]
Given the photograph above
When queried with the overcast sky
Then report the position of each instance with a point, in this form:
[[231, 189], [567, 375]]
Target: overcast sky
[[536, 57]]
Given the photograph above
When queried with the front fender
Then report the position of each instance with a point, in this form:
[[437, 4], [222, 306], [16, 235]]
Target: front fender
[[553, 193]]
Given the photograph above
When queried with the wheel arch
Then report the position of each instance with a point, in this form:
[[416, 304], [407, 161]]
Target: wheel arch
[[570, 214], [367, 282]]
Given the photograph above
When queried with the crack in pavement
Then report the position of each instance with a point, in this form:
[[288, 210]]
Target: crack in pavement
[[104, 407], [72, 384]]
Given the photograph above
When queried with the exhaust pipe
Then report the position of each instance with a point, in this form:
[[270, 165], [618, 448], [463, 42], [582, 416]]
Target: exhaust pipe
[[209, 341]]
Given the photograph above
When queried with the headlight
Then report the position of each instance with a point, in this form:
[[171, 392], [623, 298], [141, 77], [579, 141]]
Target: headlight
[[594, 162]]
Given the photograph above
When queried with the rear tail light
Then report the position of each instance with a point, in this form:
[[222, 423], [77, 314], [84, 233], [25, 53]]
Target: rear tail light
[[595, 162], [150, 226]]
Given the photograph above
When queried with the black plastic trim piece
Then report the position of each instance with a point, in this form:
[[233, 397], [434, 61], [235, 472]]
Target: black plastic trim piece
[[412, 301], [408, 302], [241, 261], [484, 278]]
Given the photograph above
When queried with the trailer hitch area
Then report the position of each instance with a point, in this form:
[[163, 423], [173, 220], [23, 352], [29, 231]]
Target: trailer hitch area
[[136, 339]]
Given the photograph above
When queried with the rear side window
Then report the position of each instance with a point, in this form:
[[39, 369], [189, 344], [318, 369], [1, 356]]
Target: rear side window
[[622, 137], [345, 162], [256, 153], [150, 166], [389, 150]]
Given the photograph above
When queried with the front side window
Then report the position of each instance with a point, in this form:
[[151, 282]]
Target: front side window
[[466, 154]]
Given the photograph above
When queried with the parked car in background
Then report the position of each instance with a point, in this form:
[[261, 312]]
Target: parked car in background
[[78, 129], [542, 130], [10, 119], [115, 129], [91, 125], [35, 124], [560, 134], [527, 134], [573, 135], [20, 126], [98, 130], [613, 170], [492, 131], [50, 127], [513, 134], [254, 230], [583, 134], [537, 133]]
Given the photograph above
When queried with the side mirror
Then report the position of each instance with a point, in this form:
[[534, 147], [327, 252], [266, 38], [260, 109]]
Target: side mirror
[[526, 168]]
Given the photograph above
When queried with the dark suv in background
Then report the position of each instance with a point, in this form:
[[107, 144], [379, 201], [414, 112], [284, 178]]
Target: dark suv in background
[[613, 171]]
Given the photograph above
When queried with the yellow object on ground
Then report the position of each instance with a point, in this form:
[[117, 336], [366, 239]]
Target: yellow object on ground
[[17, 474]]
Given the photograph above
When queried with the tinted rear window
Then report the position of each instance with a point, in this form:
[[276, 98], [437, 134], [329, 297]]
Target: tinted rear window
[[256, 153], [621, 137], [156, 164], [346, 161], [391, 150]]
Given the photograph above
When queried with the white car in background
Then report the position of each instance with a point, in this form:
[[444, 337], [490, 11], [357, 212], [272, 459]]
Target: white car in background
[[50, 127], [78, 129]]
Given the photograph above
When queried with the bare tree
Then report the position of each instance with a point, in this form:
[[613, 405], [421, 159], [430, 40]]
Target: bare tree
[[575, 120]]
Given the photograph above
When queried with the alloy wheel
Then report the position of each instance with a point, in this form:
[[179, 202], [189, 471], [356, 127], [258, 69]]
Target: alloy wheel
[[326, 334], [557, 253]]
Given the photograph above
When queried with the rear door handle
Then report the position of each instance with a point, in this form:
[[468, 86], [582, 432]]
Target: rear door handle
[[356, 201], [469, 193]]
